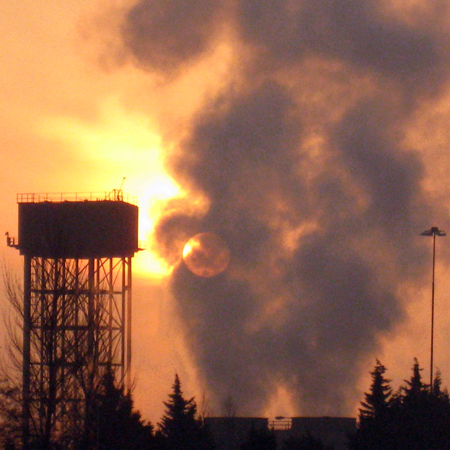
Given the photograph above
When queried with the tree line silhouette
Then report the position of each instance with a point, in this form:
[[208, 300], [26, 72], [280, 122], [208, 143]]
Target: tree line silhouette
[[415, 417]]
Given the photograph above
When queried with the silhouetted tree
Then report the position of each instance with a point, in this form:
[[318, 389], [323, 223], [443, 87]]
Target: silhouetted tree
[[180, 427], [420, 418], [107, 422], [437, 390], [415, 418], [415, 390], [113, 424], [377, 400], [10, 415], [374, 413]]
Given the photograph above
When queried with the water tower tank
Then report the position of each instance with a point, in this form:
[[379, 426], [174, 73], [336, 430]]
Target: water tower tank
[[78, 229]]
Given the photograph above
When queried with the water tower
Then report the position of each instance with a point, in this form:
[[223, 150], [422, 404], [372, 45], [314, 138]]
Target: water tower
[[77, 252]]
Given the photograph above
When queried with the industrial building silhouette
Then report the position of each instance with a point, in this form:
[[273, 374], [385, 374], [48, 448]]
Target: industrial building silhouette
[[230, 433]]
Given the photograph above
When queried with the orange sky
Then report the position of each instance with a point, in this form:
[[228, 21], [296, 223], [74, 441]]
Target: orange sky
[[69, 126], [75, 119]]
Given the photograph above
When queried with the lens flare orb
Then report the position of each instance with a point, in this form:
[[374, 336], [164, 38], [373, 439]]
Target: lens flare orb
[[206, 255]]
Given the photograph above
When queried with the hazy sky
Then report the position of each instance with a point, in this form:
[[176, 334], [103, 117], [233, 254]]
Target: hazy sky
[[312, 136]]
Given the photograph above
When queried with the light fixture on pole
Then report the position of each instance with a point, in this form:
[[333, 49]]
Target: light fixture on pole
[[433, 231]]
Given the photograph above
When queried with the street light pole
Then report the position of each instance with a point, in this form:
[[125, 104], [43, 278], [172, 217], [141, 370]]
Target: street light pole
[[433, 231]]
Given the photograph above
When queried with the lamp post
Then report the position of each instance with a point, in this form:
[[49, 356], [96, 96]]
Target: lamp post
[[433, 231]]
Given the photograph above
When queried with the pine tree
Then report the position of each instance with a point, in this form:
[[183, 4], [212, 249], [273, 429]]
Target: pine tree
[[179, 426], [415, 390], [415, 418], [113, 424], [121, 426], [377, 400], [437, 391], [373, 432]]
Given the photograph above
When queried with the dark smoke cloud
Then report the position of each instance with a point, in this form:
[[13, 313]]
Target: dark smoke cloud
[[322, 235], [164, 34], [354, 32]]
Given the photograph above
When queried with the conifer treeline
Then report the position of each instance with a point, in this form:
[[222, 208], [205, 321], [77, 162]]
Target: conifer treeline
[[112, 423], [416, 417]]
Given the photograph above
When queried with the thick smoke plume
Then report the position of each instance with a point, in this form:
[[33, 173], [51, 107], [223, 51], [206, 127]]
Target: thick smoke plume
[[301, 159]]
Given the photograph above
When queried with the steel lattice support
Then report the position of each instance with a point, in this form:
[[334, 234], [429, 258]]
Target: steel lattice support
[[77, 323]]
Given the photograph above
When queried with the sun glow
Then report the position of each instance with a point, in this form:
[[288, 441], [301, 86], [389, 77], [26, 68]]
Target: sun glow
[[116, 147]]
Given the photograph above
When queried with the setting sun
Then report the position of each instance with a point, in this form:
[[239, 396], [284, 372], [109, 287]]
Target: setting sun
[[128, 154]]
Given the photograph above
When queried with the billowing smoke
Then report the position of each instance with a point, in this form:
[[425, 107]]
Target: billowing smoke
[[302, 159]]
